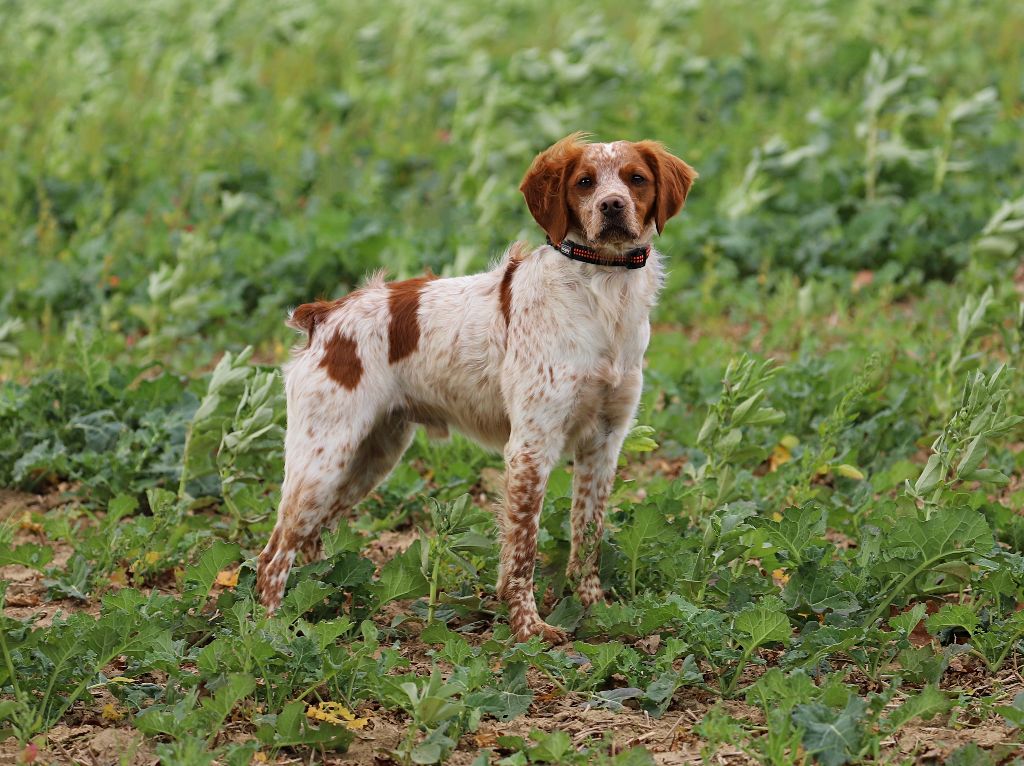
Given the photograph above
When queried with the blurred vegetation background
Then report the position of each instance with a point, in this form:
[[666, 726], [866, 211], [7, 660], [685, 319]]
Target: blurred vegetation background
[[174, 175]]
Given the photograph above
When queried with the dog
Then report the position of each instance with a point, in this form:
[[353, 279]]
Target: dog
[[540, 356]]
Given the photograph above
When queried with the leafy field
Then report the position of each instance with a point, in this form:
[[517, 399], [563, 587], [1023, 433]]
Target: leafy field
[[814, 548]]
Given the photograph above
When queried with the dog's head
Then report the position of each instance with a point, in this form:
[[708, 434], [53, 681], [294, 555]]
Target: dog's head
[[613, 195]]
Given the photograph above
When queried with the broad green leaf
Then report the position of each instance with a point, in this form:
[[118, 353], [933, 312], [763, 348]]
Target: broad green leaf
[[1014, 714], [302, 598], [551, 747], [953, 616], [509, 699], [761, 625], [121, 506], [635, 756], [603, 659], [820, 590], [291, 728], [27, 555], [912, 546], [909, 619], [349, 570], [797, 529], [778, 690], [218, 707], [644, 527], [199, 578], [402, 577], [926, 704], [341, 538], [567, 613], [832, 736]]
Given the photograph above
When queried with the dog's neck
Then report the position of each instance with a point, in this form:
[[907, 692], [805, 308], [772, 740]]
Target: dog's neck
[[628, 254]]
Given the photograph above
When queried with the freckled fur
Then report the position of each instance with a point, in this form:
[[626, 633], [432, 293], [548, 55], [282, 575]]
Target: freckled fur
[[538, 357]]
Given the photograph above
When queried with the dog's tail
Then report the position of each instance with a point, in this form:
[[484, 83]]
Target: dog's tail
[[306, 317]]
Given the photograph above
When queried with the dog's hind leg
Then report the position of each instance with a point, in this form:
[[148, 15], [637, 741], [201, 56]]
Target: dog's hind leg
[[374, 459], [336, 474], [329, 417]]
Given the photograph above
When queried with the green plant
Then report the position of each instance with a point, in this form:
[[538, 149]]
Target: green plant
[[722, 434]]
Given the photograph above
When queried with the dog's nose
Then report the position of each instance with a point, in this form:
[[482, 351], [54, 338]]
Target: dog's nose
[[613, 205]]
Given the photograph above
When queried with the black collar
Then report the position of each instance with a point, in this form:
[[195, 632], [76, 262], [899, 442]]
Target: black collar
[[631, 259]]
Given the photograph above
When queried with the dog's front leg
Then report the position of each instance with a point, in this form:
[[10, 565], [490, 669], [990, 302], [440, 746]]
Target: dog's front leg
[[594, 464], [529, 460]]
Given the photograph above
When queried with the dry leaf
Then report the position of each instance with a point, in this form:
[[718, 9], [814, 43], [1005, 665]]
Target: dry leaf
[[26, 523], [227, 578], [336, 713], [861, 280], [23, 599]]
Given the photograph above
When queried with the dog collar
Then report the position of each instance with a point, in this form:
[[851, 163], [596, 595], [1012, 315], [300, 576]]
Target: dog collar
[[631, 259]]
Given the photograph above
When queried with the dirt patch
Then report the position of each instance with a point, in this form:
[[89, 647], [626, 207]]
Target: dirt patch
[[26, 593]]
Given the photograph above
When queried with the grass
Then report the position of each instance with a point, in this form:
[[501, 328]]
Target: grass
[[814, 546]]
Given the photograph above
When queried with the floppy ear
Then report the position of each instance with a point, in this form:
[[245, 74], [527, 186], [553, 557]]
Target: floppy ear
[[672, 179], [545, 183]]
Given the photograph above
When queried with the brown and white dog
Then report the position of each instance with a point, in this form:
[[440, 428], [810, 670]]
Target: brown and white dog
[[540, 356]]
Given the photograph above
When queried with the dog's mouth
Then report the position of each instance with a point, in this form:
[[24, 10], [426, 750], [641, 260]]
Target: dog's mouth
[[616, 232]]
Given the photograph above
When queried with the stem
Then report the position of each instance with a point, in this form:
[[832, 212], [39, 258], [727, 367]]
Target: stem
[[871, 169], [184, 462], [727, 692], [434, 575], [6, 653], [942, 161], [81, 686], [1009, 647], [903, 583], [632, 577]]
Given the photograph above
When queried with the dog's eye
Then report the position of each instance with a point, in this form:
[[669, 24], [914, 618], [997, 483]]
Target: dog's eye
[[585, 181], [638, 179]]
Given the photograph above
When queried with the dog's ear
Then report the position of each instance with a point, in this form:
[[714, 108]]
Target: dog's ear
[[672, 180], [544, 185]]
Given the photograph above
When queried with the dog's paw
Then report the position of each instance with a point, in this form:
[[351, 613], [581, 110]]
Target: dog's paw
[[549, 633]]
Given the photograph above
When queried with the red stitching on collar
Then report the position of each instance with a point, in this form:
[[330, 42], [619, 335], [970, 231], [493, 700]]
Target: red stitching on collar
[[633, 259]]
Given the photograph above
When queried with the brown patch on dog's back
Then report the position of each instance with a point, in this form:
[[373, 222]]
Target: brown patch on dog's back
[[516, 254], [404, 320], [342, 362], [506, 291]]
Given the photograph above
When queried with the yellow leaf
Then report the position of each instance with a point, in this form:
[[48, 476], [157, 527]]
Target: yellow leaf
[[111, 713], [26, 523], [849, 471], [780, 456], [780, 577], [227, 578], [151, 558], [776, 516], [337, 714], [782, 452], [118, 578], [260, 757]]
